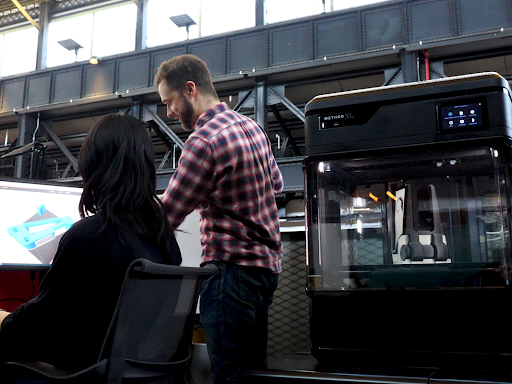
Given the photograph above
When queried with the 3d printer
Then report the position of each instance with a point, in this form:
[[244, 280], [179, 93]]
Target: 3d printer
[[408, 199]]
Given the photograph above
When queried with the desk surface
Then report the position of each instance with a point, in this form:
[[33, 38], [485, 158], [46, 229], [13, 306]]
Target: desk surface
[[24, 267], [301, 369]]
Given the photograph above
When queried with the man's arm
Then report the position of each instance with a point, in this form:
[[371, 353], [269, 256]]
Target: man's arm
[[191, 183], [3, 315], [277, 177]]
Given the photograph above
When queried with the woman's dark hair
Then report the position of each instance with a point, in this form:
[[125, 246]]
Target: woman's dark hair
[[118, 169]]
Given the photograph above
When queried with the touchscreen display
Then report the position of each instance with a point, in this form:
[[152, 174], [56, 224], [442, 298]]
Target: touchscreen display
[[461, 116]]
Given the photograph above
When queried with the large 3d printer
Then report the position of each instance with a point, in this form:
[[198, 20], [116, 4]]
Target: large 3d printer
[[408, 200]]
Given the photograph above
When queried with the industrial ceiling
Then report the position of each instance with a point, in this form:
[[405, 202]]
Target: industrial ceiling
[[486, 50]]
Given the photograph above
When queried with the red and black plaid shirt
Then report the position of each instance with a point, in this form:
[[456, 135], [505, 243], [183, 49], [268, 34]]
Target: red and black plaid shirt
[[228, 172]]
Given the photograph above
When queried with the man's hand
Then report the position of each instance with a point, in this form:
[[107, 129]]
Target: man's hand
[[3, 315]]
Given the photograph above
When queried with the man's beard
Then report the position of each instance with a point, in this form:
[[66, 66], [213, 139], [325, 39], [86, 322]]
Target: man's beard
[[186, 115]]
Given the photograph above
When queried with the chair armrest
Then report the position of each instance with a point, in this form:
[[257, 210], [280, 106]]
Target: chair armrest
[[140, 369], [148, 267], [39, 369]]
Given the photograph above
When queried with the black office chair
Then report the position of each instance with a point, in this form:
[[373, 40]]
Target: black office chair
[[150, 336]]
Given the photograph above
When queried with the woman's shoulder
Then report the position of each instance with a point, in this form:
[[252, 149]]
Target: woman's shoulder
[[84, 238], [88, 231], [87, 226]]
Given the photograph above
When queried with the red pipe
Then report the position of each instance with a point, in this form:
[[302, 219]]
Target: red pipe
[[427, 66]]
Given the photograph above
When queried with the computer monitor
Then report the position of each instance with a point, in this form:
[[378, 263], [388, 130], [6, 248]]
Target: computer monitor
[[33, 218]]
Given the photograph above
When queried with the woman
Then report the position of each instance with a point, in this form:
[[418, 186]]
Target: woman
[[66, 323]]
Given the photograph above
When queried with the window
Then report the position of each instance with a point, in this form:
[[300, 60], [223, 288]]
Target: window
[[101, 33], [211, 18], [77, 28], [114, 30], [282, 10], [161, 30], [19, 51], [222, 16], [346, 4]]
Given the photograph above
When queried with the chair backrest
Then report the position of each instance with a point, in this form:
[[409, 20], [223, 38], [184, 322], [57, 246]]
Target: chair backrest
[[151, 331]]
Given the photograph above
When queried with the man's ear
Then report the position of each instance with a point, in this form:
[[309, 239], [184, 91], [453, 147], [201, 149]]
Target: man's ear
[[190, 89]]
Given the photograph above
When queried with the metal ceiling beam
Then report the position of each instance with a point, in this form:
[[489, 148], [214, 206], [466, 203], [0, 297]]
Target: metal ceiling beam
[[66, 170], [260, 104], [285, 129], [260, 12], [42, 40], [142, 24], [288, 104], [27, 16], [72, 159], [410, 66], [27, 130], [164, 160], [243, 101], [155, 127], [168, 131], [319, 53]]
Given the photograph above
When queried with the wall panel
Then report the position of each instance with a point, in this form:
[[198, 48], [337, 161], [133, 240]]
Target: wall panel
[[133, 72], [431, 20], [67, 84], [38, 90], [276, 48], [213, 52], [99, 79], [338, 36], [480, 15], [248, 51], [383, 27], [291, 44], [12, 94]]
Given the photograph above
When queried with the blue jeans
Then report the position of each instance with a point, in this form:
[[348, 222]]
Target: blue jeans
[[234, 314]]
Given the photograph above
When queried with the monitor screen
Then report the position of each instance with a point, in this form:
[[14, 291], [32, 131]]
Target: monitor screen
[[33, 219]]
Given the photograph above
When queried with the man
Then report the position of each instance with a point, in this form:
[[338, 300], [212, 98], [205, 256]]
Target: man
[[228, 172]]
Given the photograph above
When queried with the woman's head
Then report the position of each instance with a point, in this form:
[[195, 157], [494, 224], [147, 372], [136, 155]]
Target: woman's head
[[118, 168], [117, 165]]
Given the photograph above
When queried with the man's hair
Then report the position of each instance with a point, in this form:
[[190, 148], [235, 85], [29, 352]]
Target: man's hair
[[176, 72]]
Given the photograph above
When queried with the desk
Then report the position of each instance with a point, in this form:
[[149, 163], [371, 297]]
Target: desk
[[25, 267], [302, 369], [305, 369]]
